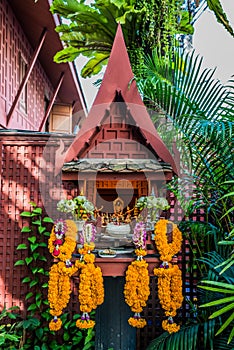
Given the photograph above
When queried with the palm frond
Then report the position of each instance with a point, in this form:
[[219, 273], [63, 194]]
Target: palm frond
[[185, 339]]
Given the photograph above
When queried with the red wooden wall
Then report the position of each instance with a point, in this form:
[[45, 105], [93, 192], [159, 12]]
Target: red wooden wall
[[13, 43], [26, 164]]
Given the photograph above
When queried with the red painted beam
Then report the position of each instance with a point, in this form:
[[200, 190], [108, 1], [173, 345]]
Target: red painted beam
[[27, 74]]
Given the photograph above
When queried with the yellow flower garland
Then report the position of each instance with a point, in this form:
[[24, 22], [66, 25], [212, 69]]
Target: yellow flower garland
[[59, 286], [165, 249], [67, 248], [169, 276], [136, 288], [91, 288], [59, 290]]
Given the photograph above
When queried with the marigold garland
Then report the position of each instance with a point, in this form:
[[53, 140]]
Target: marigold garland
[[61, 244], [169, 276], [91, 290], [59, 290], [169, 288], [165, 249], [136, 288]]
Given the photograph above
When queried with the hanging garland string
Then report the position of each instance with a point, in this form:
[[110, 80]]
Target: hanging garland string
[[136, 288], [169, 276], [59, 290], [62, 241], [61, 244], [91, 287], [167, 250]]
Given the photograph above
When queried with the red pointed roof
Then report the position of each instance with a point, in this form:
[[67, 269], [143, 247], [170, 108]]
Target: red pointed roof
[[118, 78]]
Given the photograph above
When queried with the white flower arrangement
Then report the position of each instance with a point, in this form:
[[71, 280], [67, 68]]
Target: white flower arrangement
[[154, 205], [152, 202], [78, 207]]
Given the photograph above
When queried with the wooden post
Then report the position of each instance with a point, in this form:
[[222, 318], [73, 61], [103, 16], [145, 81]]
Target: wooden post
[[47, 113]]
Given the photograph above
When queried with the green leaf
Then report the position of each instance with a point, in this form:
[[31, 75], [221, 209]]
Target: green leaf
[[221, 16], [42, 244], [33, 247], [32, 307], [36, 256], [221, 311], [28, 295], [226, 324], [44, 285], [26, 214], [38, 303], [226, 242], [12, 337], [95, 64], [33, 283], [231, 336], [41, 229], [44, 347], [32, 239], [19, 262], [48, 219], [89, 335], [66, 336], [12, 316], [22, 246], [36, 222], [47, 234], [219, 290], [42, 258], [218, 302], [26, 229], [26, 279], [28, 260], [220, 284], [34, 269], [38, 296], [31, 323], [37, 211]]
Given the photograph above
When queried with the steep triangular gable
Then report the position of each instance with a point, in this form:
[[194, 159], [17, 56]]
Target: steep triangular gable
[[118, 78]]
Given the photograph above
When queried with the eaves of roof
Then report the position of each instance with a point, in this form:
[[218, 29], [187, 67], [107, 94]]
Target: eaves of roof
[[33, 18]]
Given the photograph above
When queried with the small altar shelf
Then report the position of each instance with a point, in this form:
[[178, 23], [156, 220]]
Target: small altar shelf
[[118, 265]]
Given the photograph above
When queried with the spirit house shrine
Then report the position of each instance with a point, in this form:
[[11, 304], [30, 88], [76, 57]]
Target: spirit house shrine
[[116, 158], [118, 152]]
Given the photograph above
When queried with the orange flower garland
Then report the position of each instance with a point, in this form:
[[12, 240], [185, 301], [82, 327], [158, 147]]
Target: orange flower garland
[[136, 288], [64, 250], [165, 249], [169, 276], [61, 244], [91, 288], [59, 290]]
